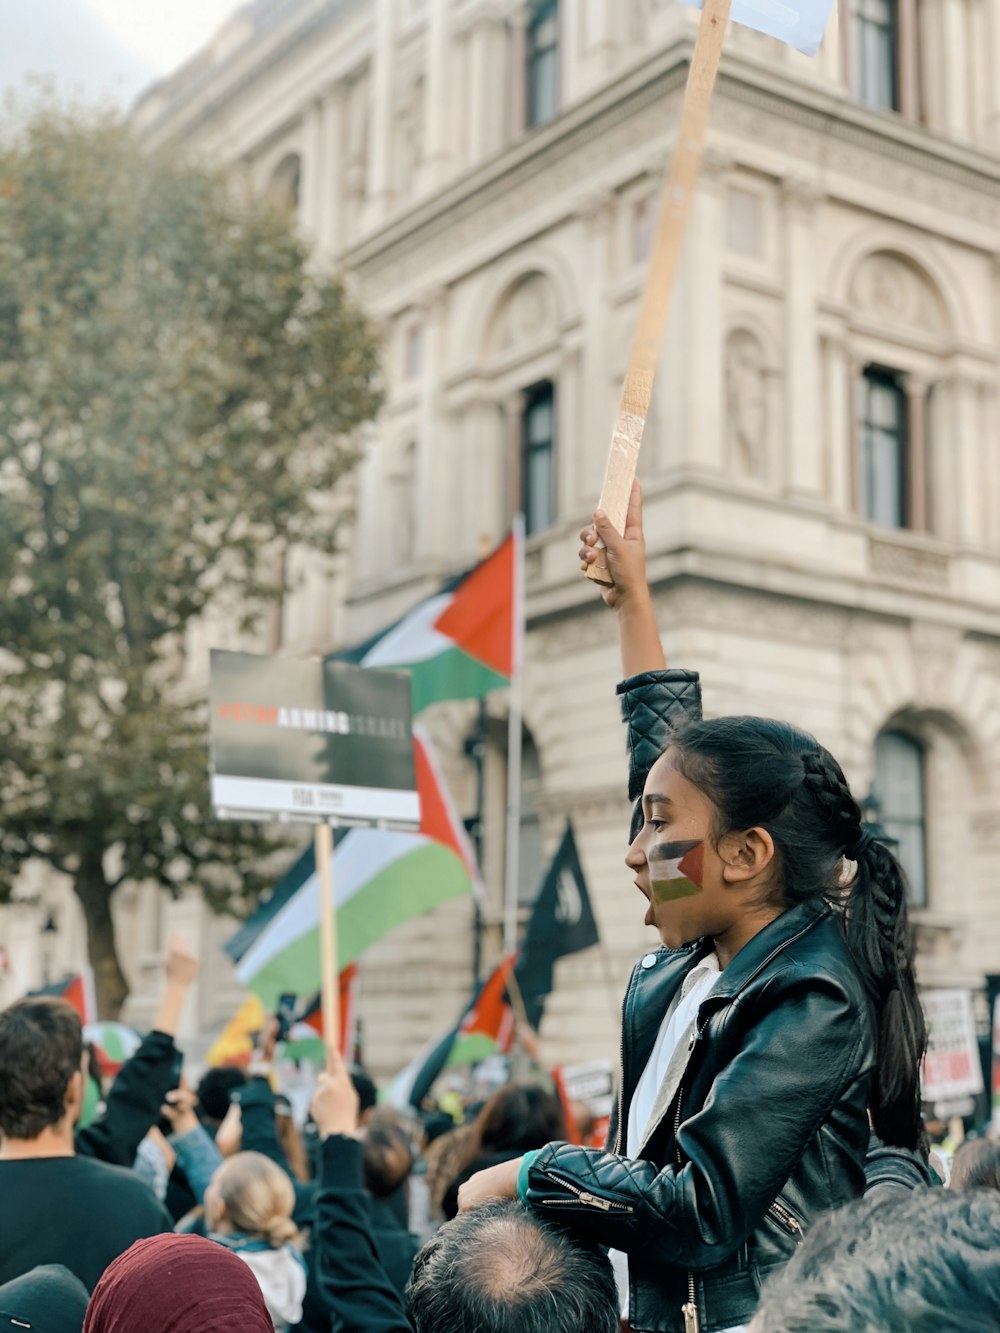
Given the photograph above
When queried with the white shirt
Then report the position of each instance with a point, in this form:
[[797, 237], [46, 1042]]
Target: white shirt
[[694, 989]]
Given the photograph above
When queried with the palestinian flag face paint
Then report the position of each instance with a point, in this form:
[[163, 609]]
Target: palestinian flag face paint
[[675, 870]]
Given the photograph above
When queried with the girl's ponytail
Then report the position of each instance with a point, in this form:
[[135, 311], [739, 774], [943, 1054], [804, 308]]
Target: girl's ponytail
[[881, 942]]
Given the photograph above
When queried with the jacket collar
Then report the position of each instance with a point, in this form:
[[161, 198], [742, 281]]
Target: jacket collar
[[759, 951]]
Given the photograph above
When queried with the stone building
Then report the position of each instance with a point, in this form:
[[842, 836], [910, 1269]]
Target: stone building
[[822, 462]]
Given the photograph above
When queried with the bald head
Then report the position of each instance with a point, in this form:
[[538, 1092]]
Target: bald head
[[499, 1269]]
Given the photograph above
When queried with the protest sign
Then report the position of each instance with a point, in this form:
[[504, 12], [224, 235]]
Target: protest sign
[[312, 740], [951, 1068]]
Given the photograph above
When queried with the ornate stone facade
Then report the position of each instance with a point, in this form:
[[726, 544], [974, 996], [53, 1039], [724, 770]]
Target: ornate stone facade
[[827, 238]]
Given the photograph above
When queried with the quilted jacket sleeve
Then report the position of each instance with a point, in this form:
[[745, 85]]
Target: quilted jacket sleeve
[[653, 703], [738, 1150]]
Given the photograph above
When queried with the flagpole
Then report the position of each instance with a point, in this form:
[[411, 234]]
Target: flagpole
[[328, 934], [514, 728]]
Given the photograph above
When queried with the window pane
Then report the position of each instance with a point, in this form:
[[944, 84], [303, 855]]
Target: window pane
[[537, 460], [543, 64], [873, 49], [899, 787], [883, 449]]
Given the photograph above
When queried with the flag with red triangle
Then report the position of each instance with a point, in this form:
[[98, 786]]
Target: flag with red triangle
[[461, 643], [76, 990]]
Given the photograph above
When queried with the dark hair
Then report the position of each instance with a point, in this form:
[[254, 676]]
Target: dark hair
[[767, 774], [501, 1269], [41, 1048], [516, 1119], [976, 1165], [388, 1158], [215, 1089], [927, 1261]]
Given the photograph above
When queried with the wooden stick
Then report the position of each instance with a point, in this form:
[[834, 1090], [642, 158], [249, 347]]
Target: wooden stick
[[675, 208], [328, 935]]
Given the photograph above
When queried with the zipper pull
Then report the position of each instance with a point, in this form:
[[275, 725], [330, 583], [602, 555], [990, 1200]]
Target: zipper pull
[[692, 1324]]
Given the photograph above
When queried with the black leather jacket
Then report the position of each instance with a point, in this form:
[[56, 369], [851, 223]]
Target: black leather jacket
[[761, 1121]]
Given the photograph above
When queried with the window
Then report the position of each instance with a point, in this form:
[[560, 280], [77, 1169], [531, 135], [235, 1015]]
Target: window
[[543, 63], [538, 497], [900, 792], [402, 508], [883, 448], [874, 47]]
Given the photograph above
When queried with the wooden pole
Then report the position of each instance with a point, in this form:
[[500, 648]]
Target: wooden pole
[[675, 208], [328, 935]]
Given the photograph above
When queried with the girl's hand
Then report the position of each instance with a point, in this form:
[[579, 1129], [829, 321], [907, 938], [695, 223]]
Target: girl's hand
[[626, 552], [497, 1182]]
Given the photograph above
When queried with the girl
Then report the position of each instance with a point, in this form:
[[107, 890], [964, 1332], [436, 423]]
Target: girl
[[248, 1208], [781, 1007]]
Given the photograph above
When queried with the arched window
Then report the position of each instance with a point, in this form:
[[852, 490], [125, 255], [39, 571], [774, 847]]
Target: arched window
[[285, 184], [900, 790]]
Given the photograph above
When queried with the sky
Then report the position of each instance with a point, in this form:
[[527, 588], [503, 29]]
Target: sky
[[103, 48]]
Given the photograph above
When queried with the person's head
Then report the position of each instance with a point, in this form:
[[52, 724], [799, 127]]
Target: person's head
[[41, 1079], [214, 1091], [976, 1165], [177, 1284], [923, 1262], [48, 1299], [744, 817], [518, 1118], [501, 1269], [388, 1157], [252, 1195]]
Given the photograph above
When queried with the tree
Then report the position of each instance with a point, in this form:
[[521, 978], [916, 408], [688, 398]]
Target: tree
[[179, 395]]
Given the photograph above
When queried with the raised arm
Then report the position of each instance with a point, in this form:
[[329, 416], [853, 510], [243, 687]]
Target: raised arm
[[653, 697], [629, 596]]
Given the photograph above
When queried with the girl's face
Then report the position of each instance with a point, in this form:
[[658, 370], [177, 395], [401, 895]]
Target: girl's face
[[693, 887]]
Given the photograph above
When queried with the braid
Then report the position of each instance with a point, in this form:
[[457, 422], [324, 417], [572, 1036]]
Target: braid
[[825, 782], [881, 943]]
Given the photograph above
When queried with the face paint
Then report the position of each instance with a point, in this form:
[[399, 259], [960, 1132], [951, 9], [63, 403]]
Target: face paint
[[675, 870]]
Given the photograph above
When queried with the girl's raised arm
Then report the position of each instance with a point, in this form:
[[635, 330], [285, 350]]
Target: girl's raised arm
[[629, 596]]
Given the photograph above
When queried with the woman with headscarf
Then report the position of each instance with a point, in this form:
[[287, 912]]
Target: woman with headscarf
[[177, 1284]]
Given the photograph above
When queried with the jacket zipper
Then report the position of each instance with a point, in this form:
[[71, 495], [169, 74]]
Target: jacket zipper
[[692, 1323], [786, 1219], [585, 1197]]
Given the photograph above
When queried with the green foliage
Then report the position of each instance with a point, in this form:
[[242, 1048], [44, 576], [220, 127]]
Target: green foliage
[[178, 397]]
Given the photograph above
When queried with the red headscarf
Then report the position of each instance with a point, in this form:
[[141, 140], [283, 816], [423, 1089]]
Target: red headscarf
[[177, 1284]]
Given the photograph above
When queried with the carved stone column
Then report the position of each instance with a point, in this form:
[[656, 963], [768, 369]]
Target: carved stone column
[[513, 412], [435, 466], [968, 447], [704, 258], [437, 101], [380, 138], [333, 176], [956, 67], [840, 434], [805, 476], [908, 58], [591, 449], [918, 514], [311, 194]]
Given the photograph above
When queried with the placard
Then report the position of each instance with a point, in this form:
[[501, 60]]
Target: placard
[[951, 1067], [311, 740]]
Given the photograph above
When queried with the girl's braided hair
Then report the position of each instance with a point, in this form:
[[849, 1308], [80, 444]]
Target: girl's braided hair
[[767, 774]]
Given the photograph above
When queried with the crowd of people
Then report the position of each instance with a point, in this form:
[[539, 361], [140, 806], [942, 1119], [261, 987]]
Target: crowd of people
[[767, 1166]]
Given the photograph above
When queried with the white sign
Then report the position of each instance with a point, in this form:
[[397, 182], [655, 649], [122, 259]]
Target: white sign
[[801, 23], [591, 1083], [951, 1067]]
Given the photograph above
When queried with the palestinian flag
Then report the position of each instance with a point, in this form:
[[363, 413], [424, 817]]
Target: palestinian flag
[[486, 1028], [381, 879], [77, 991], [305, 1036], [462, 642], [675, 870]]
